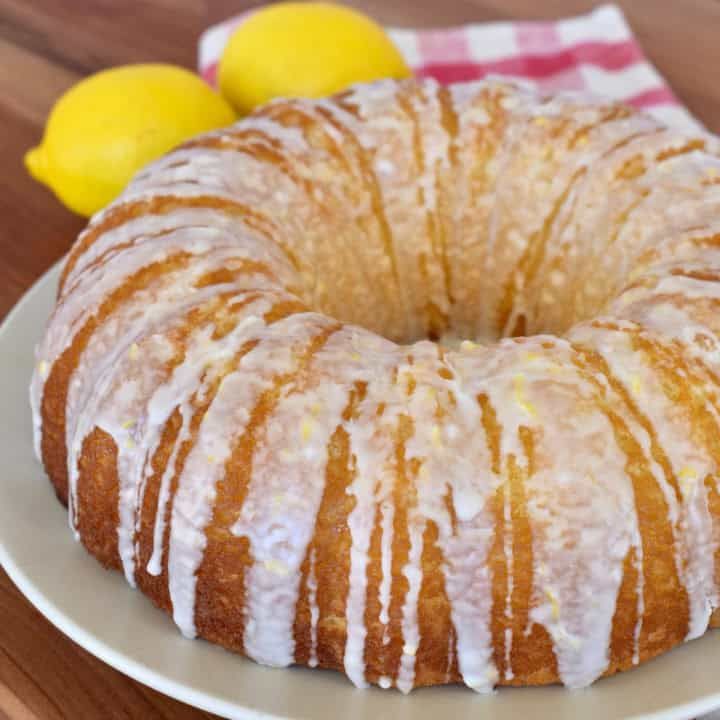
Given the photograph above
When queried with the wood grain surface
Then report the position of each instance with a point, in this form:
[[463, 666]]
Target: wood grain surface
[[46, 46]]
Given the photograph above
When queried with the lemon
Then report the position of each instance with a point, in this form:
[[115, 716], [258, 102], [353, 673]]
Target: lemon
[[297, 49], [102, 130]]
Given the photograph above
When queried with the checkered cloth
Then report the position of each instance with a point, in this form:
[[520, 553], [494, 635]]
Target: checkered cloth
[[595, 53]]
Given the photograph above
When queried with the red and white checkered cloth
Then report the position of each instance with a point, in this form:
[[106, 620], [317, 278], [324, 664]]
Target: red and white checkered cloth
[[594, 53]]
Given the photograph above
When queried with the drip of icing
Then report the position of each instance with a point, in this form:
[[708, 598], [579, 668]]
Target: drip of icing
[[509, 558], [154, 565], [372, 449], [427, 439], [359, 523], [280, 509], [574, 502], [559, 604], [174, 229], [695, 556], [386, 545], [201, 361], [434, 144], [212, 248], [314, 610], [454, 450], [410, 631], [111, 342], [102, 362], [640, 593], [203, 356], [224, 422]]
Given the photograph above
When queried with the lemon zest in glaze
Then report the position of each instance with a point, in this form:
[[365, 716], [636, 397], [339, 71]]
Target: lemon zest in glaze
[[276, 567], [688, 477], [520, 398], [306, 429], [436, 436], [582, 141], [554, 604]]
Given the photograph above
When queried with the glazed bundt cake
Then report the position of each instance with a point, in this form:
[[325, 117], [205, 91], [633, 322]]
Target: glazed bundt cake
[[420, 383]]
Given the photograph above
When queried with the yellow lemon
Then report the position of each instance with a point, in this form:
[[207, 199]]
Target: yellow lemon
[[105, 128], [298, 49]]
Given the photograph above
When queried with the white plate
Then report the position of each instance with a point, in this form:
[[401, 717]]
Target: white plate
[[99, 611]]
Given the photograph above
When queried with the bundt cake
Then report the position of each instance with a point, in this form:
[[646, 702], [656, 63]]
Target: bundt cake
[[421, 383]]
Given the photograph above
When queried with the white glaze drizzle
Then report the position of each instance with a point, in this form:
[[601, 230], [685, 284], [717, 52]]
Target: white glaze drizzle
[[314, 610], [101, 358], [386, 545], [201, 361], [454, 450], [212, 247], [283, 497], [225, 420], [371, 444], [690, 465]]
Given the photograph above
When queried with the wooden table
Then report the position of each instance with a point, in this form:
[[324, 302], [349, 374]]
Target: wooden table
[[46, 46]]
